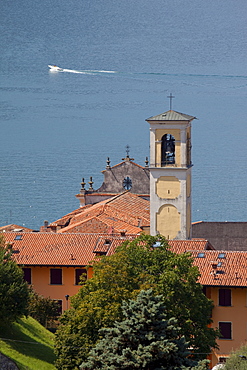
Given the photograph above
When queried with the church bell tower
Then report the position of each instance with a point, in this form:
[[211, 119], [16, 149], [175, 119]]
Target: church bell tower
[[170, 175]]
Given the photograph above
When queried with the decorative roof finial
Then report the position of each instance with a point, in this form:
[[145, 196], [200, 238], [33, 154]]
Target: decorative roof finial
[[146, 162], [90, 183], [83, 184], [108, 163], [170, 97], [127, 158]]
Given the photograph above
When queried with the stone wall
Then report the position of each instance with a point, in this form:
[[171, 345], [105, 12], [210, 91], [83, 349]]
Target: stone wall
[[230, 236], [6, 363]]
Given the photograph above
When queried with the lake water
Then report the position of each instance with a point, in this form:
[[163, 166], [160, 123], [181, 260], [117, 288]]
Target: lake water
[[123, 60]]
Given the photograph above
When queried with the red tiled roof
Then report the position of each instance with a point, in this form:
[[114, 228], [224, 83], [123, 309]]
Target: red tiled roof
[[53, 249], [181, 246], [229, 270], [63, 220], [14, 227], [125, 211], [217, 268]]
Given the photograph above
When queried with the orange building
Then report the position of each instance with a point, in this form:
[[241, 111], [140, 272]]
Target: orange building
[[224, 278], [53, 263]]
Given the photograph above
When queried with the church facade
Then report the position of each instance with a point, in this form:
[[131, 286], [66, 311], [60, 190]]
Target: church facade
[[124, 176]]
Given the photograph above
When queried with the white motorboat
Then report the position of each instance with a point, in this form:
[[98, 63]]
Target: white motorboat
[[54, 68]]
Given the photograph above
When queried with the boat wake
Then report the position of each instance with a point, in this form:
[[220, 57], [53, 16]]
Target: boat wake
[[54, 68]]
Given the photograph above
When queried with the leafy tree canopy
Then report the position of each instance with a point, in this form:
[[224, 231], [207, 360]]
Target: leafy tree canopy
[[147, 262], [144, 339], [237, 359], [43, 309], [14, 292]]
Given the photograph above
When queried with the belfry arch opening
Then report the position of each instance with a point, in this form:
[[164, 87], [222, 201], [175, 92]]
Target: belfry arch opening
[[167, 150]]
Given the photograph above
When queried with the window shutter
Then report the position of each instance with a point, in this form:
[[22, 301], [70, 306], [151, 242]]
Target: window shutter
[[56, 276], [225, 330]]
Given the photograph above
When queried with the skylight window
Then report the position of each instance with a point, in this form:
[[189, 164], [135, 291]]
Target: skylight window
[[219, 264], [18, 237], [201, 255], [221, 255], [156, 244]]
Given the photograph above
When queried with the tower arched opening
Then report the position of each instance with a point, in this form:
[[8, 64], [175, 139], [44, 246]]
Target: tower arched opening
[[167, 150]]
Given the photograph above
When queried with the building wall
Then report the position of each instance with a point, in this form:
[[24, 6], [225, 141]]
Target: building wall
[[236, 314], [170, 184], [222, 235], [114, 176], [170, 202], [40, 276]]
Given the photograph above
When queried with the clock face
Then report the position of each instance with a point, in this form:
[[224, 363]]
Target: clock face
[[127, 183]]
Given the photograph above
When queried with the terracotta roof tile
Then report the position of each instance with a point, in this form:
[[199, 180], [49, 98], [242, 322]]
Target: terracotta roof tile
[[222, 268], [217, 268], [14, 227], [53, 249], [125, 211], [181, 246]]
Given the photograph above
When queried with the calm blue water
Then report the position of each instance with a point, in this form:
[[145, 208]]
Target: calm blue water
[[59, 127]]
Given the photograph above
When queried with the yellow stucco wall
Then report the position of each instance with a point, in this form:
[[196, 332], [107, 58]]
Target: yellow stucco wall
[[236, 314], [41, 283], [168, 221], [159, 133], [168, 187]]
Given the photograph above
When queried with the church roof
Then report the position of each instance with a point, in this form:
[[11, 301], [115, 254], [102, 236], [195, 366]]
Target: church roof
[[124, 212], [171, 115]]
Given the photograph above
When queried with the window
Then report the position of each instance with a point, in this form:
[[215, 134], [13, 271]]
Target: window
[[59, 306], [78, 274], [221, 255], [201, 255], [127, 183], [156, 244], [18, 237], [222, 360], [56, 276], [167, 150], [27, 275], [225, 297], [225, 329]]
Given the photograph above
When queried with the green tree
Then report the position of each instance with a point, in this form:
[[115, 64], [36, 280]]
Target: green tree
[[147, 262], [144, 339], [14, 293], [43, 309], [237, 359]]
